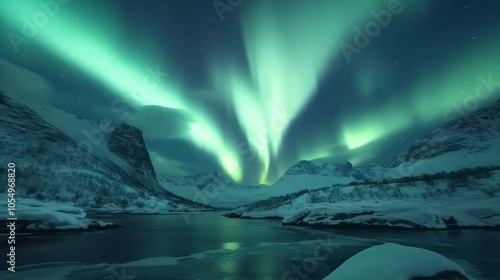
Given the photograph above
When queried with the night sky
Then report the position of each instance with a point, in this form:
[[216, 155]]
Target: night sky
[[251, 87]]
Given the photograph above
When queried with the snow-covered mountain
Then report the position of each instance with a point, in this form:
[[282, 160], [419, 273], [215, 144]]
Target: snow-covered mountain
[[216, 189], [311, 175], [468, 141], [342, 172], [111, 173], [449, 179]]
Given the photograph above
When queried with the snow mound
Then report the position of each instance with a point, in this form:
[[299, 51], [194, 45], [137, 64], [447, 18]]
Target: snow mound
[[47, 215], [392, 261]]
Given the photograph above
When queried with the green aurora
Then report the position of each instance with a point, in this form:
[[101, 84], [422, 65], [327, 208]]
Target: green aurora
[[288, 51]]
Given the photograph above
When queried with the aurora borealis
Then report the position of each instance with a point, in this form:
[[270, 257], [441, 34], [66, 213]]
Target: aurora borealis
[[267, 86]]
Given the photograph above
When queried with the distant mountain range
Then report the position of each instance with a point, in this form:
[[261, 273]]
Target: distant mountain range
[[112, 171], [469, 141], [216, 189]]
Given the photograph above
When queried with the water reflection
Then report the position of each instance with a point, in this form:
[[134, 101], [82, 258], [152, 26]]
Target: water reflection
[[231, 245]]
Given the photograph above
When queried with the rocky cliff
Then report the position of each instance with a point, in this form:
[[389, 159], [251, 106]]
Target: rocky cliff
[[50, 165]]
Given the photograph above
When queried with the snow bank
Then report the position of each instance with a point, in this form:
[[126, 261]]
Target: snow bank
[[418, 206], [398, 213], [394, 262], [48, 215]]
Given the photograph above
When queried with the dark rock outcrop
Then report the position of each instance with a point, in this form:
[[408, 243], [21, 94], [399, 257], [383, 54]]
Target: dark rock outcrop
[[127, 142]]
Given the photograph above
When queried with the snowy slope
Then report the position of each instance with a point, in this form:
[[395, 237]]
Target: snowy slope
[[216, 189], [52, 165], [468, 141], [310, 175], [449, 179], [445, 204], [213, 188]]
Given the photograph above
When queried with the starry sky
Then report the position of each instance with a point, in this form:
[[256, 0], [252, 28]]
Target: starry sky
[[252, 86]]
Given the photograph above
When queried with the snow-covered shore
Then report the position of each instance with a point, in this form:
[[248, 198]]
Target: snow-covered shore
[[400, 214], [34, 215], [416, 206], [391, 214]]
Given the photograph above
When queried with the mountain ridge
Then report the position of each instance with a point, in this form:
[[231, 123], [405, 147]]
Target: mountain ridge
[[54, 166]]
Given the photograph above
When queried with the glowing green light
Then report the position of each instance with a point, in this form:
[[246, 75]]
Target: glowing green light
[[96, 53], [288, 50], [231, 245], [374, 125], [207, 137], [461, 86]]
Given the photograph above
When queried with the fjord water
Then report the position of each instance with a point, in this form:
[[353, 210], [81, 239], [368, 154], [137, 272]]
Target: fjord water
[[209, 246]]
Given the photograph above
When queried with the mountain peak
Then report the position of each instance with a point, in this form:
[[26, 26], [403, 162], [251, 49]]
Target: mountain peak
[[127, 143]]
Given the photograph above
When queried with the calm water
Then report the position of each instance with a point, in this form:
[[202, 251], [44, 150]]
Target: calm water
[[213, 247]]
